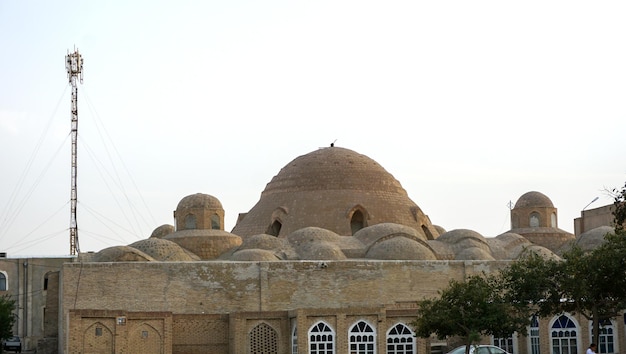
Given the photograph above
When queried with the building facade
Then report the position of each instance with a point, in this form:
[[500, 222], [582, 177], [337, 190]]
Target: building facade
[[333, 258]]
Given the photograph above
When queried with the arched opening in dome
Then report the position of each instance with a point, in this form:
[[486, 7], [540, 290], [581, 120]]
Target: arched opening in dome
[[274, 229], [190, 222], [429, 235], [553, 220], [215, 222], [357, 221], [534, 219]]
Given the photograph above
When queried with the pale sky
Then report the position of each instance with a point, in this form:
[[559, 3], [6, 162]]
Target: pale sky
[[469, 104]]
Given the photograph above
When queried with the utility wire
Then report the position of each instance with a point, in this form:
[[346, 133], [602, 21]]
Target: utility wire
[[102, 128], [9, 213]]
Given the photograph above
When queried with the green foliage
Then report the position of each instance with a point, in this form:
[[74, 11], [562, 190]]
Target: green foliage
[[530, 284], [469, 309], [592, 283], [7, 317], [619, 212]]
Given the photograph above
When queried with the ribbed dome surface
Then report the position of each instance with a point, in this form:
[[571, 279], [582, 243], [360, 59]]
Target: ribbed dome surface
[[326, 188], [199, 200], [319, 170], [534, 199]]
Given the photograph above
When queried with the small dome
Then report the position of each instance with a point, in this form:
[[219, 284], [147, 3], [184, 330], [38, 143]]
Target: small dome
[[279, 247], [264, 242], [400, 248], [207, 244], [515, 245], [254, 255], [320, 250], [164, 250], [534, 199], [162, 231], [199, 200], [474, 254], [466, 243], [122, 254], [311, 234], [459, 235], [372, 234], [593, 238]]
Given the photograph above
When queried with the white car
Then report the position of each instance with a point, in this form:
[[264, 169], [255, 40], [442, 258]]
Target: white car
[[13, 344], [480, 349]]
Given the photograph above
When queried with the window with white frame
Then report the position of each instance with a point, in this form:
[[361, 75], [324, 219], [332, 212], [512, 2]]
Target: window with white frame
[[534, 219], [606, 340], [362, 338], [400, 340], [563, 336], [534, 336], [504, 343], [321, 339], [294, 339], [3, 281]]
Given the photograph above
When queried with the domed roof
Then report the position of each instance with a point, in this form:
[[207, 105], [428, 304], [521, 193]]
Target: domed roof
[[593, 238], [312, 234], [162, 231], [372, 234], [400, 248], [467, 244], [164, 250], [321, 250], [319, 170], [534, 199], [332, 188], [122, 254], [254, 255], [199, 200]]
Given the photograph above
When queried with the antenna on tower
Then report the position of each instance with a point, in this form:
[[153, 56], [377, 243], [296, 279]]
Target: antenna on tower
[[74, 67]]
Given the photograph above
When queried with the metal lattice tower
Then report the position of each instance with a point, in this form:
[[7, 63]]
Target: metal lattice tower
[[74, 67]]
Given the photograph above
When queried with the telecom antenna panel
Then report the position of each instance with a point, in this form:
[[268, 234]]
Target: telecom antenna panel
[[74, 67]]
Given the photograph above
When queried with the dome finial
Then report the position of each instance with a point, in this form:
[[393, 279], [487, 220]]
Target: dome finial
[[333, 143]]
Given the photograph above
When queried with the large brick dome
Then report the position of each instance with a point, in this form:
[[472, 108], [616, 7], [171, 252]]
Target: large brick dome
[[335, 189], [333, 168]]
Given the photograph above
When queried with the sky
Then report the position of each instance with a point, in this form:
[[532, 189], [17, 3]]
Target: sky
[[469, 104]]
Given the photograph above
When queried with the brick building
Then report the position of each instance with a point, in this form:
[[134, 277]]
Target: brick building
[[332, 259]]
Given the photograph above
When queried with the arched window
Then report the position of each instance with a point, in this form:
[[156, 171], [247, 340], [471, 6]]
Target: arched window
[[400, 340], [215, 222], [606, 341], [362, 338], [563, 336], [505, 343], [45, 281], [357, 222], [534, 336], [534, 219], [274, 229], [294, 339], [3, 282], [190, 222], [553, 220], [321, 339], [263, 340]]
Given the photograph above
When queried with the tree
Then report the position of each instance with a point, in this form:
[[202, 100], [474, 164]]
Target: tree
[[470, 310], [619, 212], [592, 283], [7, 316]]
